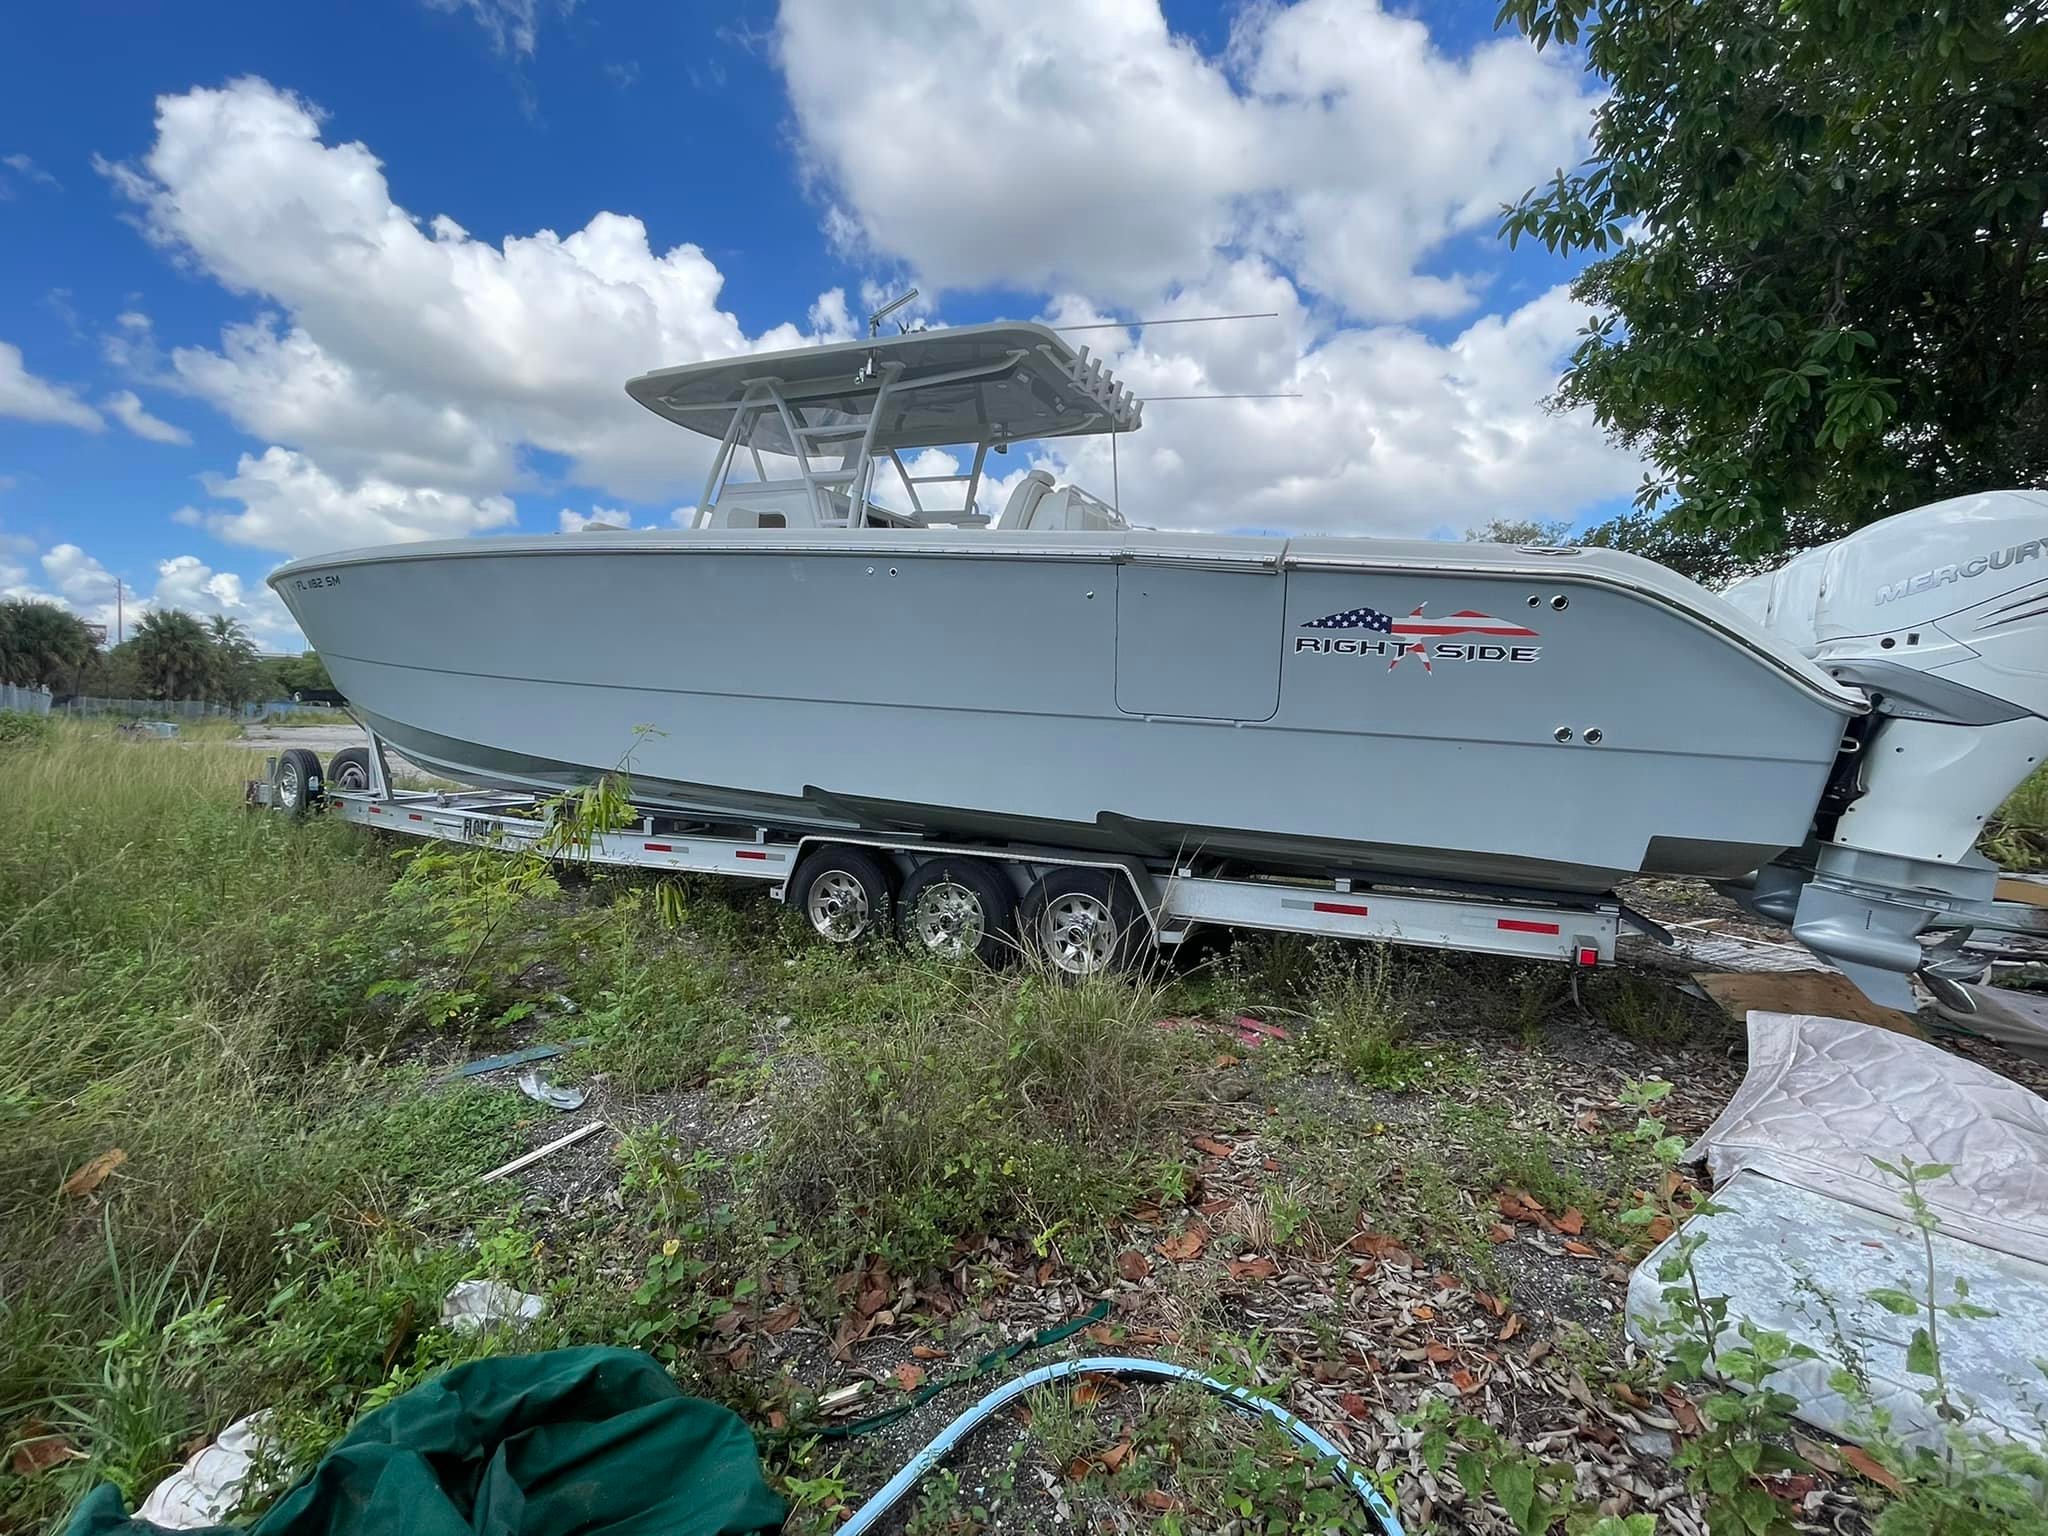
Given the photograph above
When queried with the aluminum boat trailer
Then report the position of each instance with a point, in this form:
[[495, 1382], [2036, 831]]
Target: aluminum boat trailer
[[1081, 912]]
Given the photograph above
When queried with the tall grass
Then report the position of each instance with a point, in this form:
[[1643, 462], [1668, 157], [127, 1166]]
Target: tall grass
[[181, 981]]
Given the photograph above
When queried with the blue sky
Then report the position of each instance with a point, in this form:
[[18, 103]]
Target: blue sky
[[232, 329]]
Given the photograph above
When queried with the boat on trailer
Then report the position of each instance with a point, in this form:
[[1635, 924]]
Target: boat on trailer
[[845, 650]]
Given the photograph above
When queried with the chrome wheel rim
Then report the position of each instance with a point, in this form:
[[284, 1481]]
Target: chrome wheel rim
[[948, 920], [352, 776], [288, 787], [1079, 933], [838, 906]]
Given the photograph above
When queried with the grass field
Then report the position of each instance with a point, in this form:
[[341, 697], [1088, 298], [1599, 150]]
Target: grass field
[[232, 1177]]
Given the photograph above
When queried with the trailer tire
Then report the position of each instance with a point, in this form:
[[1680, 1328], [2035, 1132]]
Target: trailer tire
[[295, 787], [1083, 922], [959, 909], [349, 769], [843, 892]]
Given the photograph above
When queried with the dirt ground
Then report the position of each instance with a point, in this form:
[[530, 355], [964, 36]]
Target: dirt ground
[[1455, 1280]]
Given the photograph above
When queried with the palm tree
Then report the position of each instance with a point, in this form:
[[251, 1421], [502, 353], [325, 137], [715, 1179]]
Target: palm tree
[[42, 645], [175, 652], [234, 658]]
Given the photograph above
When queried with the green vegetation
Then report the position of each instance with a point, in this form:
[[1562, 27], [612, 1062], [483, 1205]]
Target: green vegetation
[[1822, 291], [234, 1173], [2017, 836]]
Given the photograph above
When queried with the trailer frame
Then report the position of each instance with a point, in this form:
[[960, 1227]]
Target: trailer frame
[[1173, 903]]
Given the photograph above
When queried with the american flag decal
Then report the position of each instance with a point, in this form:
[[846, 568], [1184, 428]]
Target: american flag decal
[[1418, 626]]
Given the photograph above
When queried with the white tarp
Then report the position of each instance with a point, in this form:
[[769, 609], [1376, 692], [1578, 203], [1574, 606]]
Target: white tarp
[[207, 1489], [1804, 1264], [2016, 1020], [1825, 1096], [478, 1304]]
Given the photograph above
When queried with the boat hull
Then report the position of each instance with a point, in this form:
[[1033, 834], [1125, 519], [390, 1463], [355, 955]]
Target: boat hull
[[1328, 705]]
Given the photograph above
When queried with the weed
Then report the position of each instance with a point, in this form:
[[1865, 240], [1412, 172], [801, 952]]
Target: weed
[[1034, 1097], [1651, 1013], [2016, 837], [18, 729]]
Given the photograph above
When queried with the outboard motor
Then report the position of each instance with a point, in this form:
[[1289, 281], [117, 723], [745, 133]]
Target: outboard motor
[[1941, 617]]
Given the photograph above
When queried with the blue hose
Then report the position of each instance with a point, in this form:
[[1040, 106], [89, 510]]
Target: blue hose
[[864, 1518]]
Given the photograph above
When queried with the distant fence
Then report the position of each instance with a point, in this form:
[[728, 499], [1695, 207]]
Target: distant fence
[[24, 701], [159, 709], [148, 709]]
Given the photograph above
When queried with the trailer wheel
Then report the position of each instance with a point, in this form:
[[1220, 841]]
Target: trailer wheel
[[842, 892], [1083, 922], [349, 769], [296, 787], [959, 909]]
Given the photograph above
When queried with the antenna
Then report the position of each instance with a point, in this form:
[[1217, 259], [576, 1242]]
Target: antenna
[[875, 320], [1287, 395], [1133, 325]]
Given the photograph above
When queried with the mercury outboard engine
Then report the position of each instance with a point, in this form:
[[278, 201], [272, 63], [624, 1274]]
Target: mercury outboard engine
[[1941, 617]]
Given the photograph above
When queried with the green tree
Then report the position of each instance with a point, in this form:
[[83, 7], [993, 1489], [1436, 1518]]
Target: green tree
[[306, 671], [174, 654], [1823, 294], [235, 679], [42, 645], [1521, 530]]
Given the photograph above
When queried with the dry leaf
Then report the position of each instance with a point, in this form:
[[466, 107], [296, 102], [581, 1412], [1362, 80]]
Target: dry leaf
[[1682, 1410], [1113, 1459], [94, 1174], [1869, 1466], [1500, 1234], [1355, 1405], [1509, 1328], [1439, 1354], [1572, 1222], [1211, 1146], [1186, 1245], [907, 1376], [782, 1319], [1160, 1501], [1422, 1314], [1133, 1265], [1100, 1334], [1464, 1381], [1579, 1250], [36, 1454], [926, 1352], [1253, 1269], [1087, 1392]]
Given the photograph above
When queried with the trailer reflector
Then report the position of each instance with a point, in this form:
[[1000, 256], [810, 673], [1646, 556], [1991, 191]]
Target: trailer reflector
[[1349, 909], [1523, 925], [749, 853], [658, 847], [1588, 956]]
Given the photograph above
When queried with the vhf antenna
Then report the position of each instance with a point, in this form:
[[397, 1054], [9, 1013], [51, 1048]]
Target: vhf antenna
[[875, 320]]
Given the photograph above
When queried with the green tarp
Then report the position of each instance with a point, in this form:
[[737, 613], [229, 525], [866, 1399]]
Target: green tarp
[[575, 1442]]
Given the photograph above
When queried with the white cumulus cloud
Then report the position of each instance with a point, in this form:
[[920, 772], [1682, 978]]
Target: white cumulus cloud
[[30, 398], [127, 408], [290, 504], [409, 348], [1081, 144]]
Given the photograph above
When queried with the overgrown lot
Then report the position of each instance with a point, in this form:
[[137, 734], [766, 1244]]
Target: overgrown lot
[[234, 1174]]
